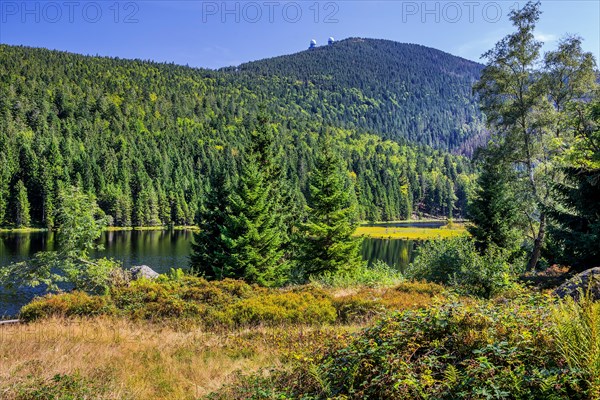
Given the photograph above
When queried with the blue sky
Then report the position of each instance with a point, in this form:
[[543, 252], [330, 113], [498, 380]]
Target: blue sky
[[214, 34]]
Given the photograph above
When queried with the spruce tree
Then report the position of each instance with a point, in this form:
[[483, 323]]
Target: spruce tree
[[326, 241], [577, 232], [493, 209], [21, 207], [252, 229], [243, 233], [210, 256], [576, 214]]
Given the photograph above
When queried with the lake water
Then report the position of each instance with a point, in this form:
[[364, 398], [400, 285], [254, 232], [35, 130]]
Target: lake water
[[162, 250]]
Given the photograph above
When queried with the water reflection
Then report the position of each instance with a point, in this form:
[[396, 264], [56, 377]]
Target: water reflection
[[396, 253], [160, 250]]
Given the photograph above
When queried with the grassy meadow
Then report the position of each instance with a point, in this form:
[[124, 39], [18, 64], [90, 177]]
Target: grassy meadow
[[411, 233], [184, 339]]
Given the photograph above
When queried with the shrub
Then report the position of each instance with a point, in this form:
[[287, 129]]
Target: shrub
[[467, 349], [284, 307], [379, 274], [577, 333], [357, 308], [457, 262], [67, 305]]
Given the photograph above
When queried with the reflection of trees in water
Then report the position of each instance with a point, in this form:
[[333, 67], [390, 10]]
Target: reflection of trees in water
[[17, 246], [170, 249], [396, 253]]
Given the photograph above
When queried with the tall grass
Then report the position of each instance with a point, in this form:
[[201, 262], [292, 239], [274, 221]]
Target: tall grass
[[112, 358], [577, 328], [378, 275]]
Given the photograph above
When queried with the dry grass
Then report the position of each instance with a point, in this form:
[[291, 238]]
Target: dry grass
[[410, 233], [118, 359]]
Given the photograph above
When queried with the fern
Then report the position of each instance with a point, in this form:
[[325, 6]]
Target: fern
[[577, 329]]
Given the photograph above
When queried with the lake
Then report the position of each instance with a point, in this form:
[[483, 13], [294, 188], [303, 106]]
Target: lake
[[165, 249]]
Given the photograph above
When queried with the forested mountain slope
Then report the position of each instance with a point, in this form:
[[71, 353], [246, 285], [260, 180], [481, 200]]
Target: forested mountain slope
[[395, 89], [145, 138]]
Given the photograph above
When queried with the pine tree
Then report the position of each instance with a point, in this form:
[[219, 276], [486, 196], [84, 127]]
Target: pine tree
[[21, 207], [253, 232], [242, 233], [326, 243], [577, 213], [578, 230], [211, 253], [493, 209]]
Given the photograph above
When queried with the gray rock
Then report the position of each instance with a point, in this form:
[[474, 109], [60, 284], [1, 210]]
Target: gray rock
[[143, 271], [587, 280]]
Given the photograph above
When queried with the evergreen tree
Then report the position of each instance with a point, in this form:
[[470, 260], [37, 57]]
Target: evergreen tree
[[211, 252], [21, 206], [326, 242], [253, 232], [242, 231], [577, 212], [493, 209], [578, 230]]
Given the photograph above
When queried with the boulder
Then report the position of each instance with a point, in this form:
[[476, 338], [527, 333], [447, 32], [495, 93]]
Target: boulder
[[587, 280], [143, 271]]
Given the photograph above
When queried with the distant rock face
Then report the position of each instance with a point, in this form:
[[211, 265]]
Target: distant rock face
[[143, 271], [587, 280]]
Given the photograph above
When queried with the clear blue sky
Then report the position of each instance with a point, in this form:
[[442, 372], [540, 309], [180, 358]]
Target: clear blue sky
[[214, 34]]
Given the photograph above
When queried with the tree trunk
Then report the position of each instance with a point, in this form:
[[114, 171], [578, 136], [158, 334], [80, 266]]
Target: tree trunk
[[537, 244]]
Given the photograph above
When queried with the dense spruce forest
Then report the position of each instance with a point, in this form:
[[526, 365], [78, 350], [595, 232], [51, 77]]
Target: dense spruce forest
[[145, 138]]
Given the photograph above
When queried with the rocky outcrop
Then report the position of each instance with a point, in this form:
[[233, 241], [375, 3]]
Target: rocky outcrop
[[588, 280], [143, 271]]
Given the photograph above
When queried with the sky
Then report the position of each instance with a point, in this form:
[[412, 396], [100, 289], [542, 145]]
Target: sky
[[214, 34]]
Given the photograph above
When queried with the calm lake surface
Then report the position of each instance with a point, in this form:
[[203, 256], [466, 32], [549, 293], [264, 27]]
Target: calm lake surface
[[162, 250]]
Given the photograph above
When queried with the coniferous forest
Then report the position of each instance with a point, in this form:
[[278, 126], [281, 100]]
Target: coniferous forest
[[278, 163], [147, 138]]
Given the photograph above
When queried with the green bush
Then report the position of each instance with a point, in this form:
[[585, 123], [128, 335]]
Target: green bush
[[220, 303], [467, 349], [284, 307], [357, 308], [67, 305], [457, 262], [379, 274]]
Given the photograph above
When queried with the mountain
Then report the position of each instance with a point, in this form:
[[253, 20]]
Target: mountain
[[146, 137], [398, 90]]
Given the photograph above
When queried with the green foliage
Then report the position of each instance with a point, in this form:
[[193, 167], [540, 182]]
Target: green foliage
[[80, 224], [284, 307], [73, 304], [145, 138], [210, 247], [224, 303], [576, 232], [459, 350], [380, 86], [457, 262], [326, 241], [577, 330], [245, 236], [60, 387], [525, 98], [379, 274], [253, 233], [493, 210], [21, 206]]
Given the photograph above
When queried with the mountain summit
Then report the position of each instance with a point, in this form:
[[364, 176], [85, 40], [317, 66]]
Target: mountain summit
[[398, 90]]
